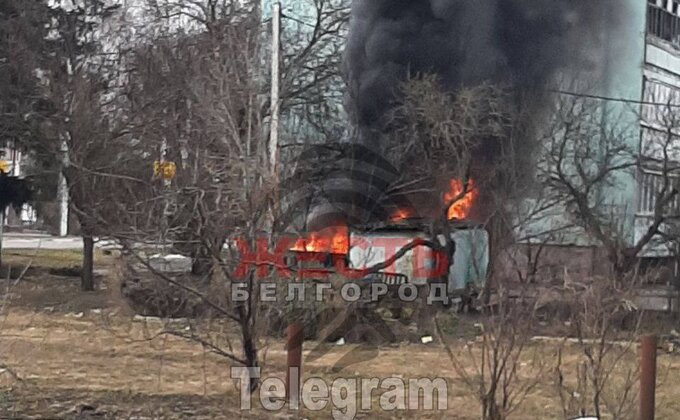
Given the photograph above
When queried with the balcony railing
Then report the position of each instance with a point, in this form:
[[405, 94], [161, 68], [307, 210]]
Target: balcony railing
[[662, 23], [651, 187]]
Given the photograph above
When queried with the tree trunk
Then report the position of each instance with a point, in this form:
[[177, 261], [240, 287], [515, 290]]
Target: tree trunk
[[2, 232], [250, 353], [245, 314], [87, 274], [201, 262]]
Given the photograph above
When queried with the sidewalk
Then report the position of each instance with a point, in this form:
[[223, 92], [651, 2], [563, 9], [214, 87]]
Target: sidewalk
[[16, 240], [32, 234]]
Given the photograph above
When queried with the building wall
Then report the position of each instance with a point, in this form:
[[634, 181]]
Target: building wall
[[641, 63], [10, 159], [661, 78], [612, 68], [11, 163], [297, 25], [551, 264], [625, 58]]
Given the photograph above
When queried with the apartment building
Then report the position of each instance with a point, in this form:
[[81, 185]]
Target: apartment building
[[660, 113]]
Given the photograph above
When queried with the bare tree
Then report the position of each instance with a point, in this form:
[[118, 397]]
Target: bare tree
[[195, 99], [67, 101], [604, 330], [500, 367], [479, 139], [438, 139], [312, 84], [470, 136], [585, 157], [588, 153]]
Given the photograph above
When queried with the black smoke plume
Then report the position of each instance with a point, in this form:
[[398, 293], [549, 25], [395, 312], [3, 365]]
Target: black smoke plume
[[518, 43]]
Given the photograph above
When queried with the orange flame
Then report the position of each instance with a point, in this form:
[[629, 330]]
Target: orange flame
[[334, 240], [460, 209], [400, 215]]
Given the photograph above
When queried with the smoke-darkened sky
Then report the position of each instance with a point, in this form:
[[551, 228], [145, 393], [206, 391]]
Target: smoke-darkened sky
[[517, 42]]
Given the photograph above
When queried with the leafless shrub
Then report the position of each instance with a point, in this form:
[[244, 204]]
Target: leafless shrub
[[196, 97], [501, 367], [604, 329]]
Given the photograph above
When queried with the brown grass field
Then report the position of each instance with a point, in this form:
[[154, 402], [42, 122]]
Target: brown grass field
[[65, 354]]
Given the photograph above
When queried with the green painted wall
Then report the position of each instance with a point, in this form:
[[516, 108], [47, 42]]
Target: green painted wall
[[298, 122], [624, 72], [613, 68]]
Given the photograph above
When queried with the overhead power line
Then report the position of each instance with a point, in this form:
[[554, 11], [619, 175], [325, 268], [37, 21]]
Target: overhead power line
[[613, 99]]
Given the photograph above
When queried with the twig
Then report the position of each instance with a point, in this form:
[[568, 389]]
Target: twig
[[7, 369]]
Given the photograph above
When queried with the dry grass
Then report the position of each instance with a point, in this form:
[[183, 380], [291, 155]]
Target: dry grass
[[86, 349], [48, 258], [113, 364]]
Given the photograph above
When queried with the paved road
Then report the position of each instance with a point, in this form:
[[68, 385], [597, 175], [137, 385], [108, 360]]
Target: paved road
[[35, 241]]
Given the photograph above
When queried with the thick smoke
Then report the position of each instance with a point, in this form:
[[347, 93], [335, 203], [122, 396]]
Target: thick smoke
[[520, 43]]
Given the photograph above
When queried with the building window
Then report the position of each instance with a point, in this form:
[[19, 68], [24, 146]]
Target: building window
[[651, 185], [663, 20], [657, 92]]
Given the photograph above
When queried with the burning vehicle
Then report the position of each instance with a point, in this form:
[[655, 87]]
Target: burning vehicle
[[465, 271], [403, 249]]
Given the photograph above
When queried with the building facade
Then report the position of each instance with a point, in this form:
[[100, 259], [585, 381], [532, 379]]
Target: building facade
[[660, 115], [637, 81], [316, 114], [11, 163]]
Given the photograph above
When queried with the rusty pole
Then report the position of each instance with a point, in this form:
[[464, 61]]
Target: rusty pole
[[295, 337], [647, 376]]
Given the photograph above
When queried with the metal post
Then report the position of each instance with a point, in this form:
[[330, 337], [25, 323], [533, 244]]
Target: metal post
[[2, 233], [647, 376], [294, 331], [295, 338], [166, 203]]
